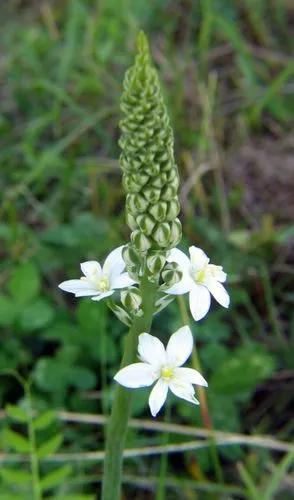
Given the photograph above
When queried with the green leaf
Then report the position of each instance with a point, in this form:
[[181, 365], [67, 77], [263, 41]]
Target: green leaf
[[52, 374], [56, 477], [16, 441], [246, 367], [36, 315], [8, 311], [15, 476], [224, 411], [91, 318], [74, 497], [50, 446], [277, 476], [44, 420], [214, 329], [252, 491], [16, 413], [24, 283], [62, 331]]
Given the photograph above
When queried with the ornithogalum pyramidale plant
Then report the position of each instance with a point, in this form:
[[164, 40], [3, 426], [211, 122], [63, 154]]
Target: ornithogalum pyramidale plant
[[149, 270]]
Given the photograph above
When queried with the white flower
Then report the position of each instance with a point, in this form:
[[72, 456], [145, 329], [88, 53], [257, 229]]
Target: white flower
[[100, 282], [163, 365], [200, 279]]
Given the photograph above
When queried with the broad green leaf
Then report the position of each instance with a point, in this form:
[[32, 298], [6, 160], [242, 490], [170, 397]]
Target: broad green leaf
[[44, 420], [63, 235], [52, 374], [214, 354], [16, 413], [62, 331], [246, 367], [50, 446], [214, 329], [8, 311], [224, 411], [16, 441], [90, 322], [15, 476], [24, 283], [90, 319], [36, 315], [56, 477]]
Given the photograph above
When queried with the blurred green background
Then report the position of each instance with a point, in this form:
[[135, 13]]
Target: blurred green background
[[227, 76]]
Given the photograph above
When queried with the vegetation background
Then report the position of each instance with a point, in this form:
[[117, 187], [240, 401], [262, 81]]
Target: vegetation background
[[226, 72]]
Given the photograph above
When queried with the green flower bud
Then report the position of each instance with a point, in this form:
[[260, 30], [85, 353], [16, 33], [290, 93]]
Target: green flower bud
[[134, 272], [175, 233], [146, 224], [173, 209], [171, 274], [162, 234], [131, 256], [136, 203], [150, 175], [169, 192], [131, 299], [131, 221], [172, 266], [155, 262], [158, 211], [140, 241], [152, 194]]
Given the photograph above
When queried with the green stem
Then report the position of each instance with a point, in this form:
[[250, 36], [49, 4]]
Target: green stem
[[37, 491], [118, 421]]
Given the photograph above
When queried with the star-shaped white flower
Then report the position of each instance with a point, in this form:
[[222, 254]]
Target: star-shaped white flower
[[98, 282], [200, 279], [163, 365]]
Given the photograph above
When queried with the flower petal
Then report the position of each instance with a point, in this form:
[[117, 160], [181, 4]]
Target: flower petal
[[158, 396], [90, 268], [78, 287], [136, 375], [180, 258], [121, 281], [179, 346], [198, 258], [114, 263], [217, 273], [184, 391], [190, 376], [151, 350], [102, 295], [219, 292], [199, 299]]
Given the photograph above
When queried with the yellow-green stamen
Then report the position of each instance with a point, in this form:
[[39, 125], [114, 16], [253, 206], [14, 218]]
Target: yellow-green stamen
[[166, 373]]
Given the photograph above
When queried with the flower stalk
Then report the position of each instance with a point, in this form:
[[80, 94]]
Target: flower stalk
[[118, 421]]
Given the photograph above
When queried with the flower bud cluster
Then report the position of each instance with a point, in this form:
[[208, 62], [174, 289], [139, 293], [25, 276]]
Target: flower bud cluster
[[131, 299], [150, 175]]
